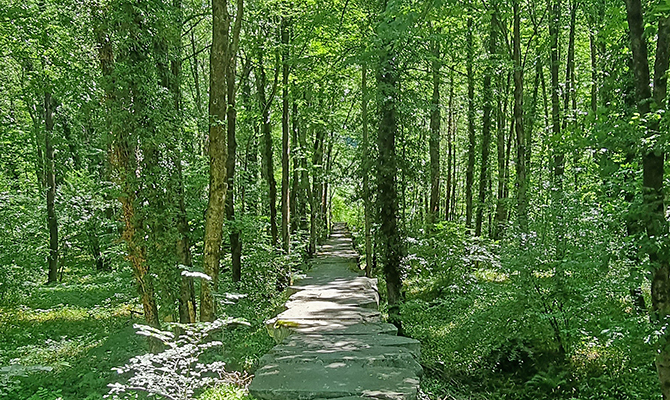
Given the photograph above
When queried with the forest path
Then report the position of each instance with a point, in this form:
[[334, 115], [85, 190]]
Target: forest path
[[335, 345]]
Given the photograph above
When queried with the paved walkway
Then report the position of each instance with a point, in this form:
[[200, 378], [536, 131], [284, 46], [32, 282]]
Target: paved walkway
[[333, 342]]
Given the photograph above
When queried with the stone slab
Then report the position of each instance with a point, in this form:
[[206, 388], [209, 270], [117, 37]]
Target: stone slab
[[309, 381], [366, 298], [337, 343], [331, 327], [355, 352], [317, 309]]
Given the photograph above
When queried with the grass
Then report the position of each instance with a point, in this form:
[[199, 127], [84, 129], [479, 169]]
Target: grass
[[76, 331], [62, 341]]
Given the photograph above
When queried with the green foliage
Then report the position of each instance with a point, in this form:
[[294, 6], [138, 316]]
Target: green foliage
[[181, 369], [492, 324], [225, 392]]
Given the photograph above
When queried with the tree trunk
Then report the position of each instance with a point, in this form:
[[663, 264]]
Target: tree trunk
[[266, 130], [198, 96], [469, 174], [317, 187], [594, 74], [450, 129], [653, 212], [123, 158], [387, 197], [559, 157], [522, 201], [285, 239], [434, 144], [296, 201], [501, 200], [365, 164], [187, 302], [486, 127], [52, 222], [304, 175], [218, 153], [231, 89]]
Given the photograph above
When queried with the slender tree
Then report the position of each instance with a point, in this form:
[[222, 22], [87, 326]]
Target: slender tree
[[486, 126], [218, 153], [434, 143], [522, 200], [470, 172], [285, 156], [52, 222], [653, 213], [391, 247], [365, 164]]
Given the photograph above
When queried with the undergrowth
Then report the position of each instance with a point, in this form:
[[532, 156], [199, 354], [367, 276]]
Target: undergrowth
[[495, 321], [62, 342]]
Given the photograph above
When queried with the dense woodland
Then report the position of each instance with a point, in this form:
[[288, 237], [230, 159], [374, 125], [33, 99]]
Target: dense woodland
[[169, 167]]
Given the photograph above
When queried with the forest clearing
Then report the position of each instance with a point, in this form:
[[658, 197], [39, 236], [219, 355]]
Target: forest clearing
[[452, 200]]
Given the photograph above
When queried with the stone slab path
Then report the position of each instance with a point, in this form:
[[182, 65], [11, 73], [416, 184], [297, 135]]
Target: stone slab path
[[334, 344]]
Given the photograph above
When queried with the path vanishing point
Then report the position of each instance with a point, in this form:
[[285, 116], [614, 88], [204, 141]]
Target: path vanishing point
[[332, 342]]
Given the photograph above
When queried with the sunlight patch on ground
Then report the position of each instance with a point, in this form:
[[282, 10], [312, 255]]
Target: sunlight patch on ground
[[54, 352], [66, 313], [491, 275]]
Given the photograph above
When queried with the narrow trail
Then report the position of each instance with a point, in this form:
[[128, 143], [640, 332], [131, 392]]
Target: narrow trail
[[335, 345]]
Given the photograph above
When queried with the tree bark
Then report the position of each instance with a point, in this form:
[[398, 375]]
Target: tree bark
[[486, 126], [559, 157], [365, 164], [231, 90], [434, 143], [653, 212], [317, 187], [218, 153], [266, 130], [187, 302], [469, 174], [522, 201], [387, 197], [296, 201], [285, 156], [450, 129], [501, 201], [123, 158], [52, 222]]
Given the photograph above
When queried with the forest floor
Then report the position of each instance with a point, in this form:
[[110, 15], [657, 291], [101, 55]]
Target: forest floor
[[62, 341]]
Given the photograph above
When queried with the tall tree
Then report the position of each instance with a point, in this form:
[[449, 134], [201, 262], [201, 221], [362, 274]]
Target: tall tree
[[52, 222], [486, 125], [434, 143], [653, 157], [231, 90], [470, 172], [522, 200], [391, 247], [266, 129], [218, 152], [365, 170], [286, 244]]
